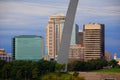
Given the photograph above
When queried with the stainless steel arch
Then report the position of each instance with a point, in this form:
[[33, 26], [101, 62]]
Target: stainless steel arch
[[67, 31]]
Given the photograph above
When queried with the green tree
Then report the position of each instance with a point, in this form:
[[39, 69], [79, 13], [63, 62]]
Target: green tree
[[19, 74], [5, 71], [113, 63], [59, 67], [2, 63], [75, 74], [35, 73]]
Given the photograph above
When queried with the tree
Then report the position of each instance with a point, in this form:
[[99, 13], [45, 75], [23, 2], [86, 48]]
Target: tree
[[59, 67], [19, 74], [35, 73], [5, 71], [113, 63], [2, 63]]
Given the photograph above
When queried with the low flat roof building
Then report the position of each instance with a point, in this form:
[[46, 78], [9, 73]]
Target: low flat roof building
[[76, 53]]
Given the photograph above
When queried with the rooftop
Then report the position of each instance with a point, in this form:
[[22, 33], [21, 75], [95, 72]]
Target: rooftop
[[58, 15], [28, 36]]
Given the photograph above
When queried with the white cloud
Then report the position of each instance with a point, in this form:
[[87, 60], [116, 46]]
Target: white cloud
[[26, 8], [100, 11], [26, 13]]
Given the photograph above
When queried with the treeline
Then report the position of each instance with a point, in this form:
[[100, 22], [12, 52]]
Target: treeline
[[33, 70], [25, 70], [94, 64]]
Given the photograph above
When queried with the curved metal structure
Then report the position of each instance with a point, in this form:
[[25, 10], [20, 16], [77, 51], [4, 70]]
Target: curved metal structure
[[67, 31]]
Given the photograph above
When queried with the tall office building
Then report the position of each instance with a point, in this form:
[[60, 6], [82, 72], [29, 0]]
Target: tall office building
[[80, 37], [54, 33], [93, 41], [28, 47]]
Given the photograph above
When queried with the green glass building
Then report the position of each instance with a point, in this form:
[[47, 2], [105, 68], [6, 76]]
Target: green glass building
[[28, 47]]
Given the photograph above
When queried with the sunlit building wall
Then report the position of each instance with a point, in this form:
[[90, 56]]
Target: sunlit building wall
[[76, 53], [54, 33], [93, 41]]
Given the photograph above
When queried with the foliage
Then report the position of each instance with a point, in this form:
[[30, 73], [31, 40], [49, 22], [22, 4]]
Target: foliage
[[59, 67], [75, 74], [33, 70], [113, 63], [29, 70], [93, 64]]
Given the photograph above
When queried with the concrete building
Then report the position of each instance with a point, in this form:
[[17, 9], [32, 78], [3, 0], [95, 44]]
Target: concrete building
[[76, 53], [5, 56], [28, 47], [54, 33], [108, 56], [2, 51], [80, 35], [93, 41]]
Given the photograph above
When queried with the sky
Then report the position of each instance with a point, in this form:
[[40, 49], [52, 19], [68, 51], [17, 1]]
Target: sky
[[30, 17]]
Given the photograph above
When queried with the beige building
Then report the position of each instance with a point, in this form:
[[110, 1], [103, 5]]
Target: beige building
[[2, 51], [108, 56], [76, 53], [5, 56], [53, 34], [93, 41]]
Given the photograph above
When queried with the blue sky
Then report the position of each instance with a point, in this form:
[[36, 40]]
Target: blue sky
[[30, 17]]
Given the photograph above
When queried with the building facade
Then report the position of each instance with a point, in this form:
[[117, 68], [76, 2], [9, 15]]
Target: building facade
[[54, 33], [5, 56], [80, 35], [93, 41], [28, 47], [2, 51], [108, 56], [76, 53]]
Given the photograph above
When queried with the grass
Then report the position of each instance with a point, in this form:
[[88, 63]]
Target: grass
[[60, 76], [112, 70]]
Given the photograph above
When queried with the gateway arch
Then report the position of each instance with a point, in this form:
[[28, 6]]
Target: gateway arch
[[67, 32]]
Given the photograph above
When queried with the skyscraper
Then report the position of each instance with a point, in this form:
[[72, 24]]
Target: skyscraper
[[80, 37], [54, 32], [93, 41], [28, 47]]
